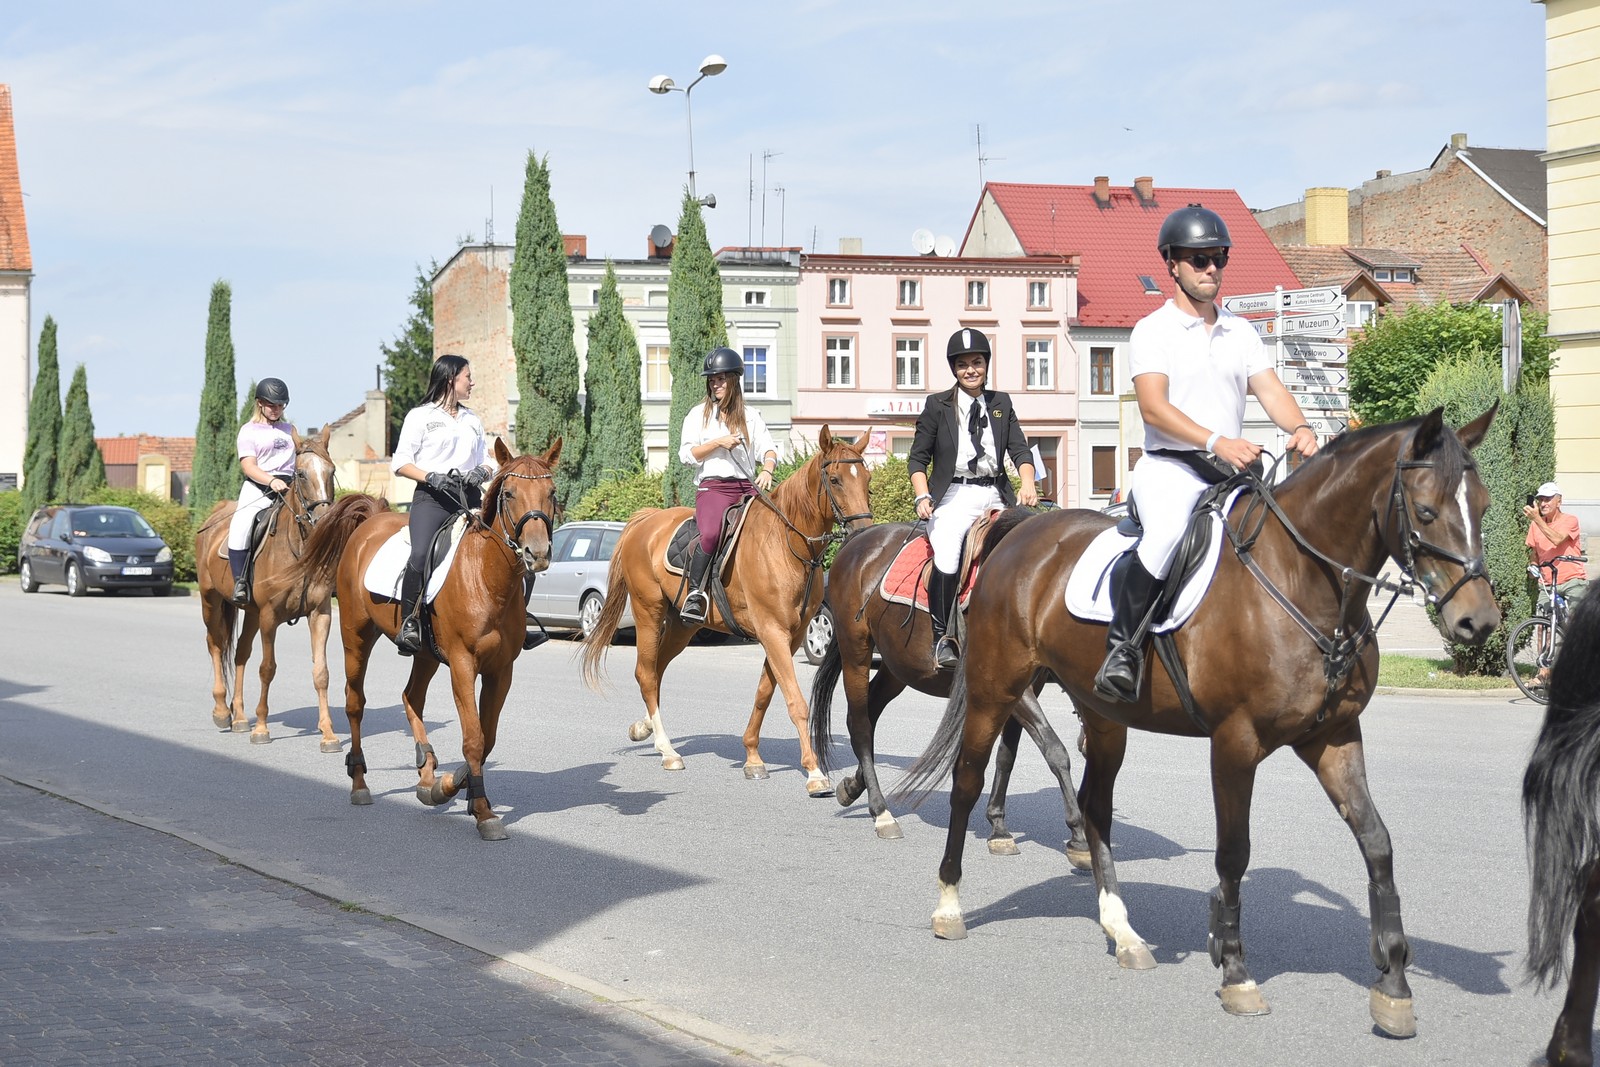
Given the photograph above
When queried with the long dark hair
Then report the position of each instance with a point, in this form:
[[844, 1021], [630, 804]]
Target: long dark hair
[[444, 372], [731, 410]]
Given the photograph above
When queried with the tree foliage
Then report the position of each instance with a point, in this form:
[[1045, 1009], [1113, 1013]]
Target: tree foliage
[[409, 360], [618, 498], [170, 519], [247, 403], [83, 469], [613, 409], [541, 334], [39, 461], [695, 325], [1398, 350], [13, 517], [216, 437]]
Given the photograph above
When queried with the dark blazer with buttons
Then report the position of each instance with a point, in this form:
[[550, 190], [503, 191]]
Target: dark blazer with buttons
[[939, 434]]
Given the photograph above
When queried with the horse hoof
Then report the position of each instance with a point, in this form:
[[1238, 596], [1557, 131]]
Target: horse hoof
[[222, 719], [638, 730], [887, 828], [949, 927], [1393, 1015], [1137, 957], [848, 792], [239, 726], [672, 763], [1003, 846], [819, 787], [1244, 999], [756, 772], [361, 797], [331, 746], [260, 737], [1080, 859], [492, 829]]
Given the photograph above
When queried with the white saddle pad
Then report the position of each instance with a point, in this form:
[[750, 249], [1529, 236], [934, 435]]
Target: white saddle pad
[[1089, 585], [388, 566]]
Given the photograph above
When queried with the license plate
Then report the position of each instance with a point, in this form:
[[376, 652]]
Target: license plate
[[135, 571]]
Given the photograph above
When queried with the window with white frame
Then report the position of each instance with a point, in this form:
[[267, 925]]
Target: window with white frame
[[838, 292], [841, 361], [1402, 274], [908, 363], [1357, 313], [656, 298], [756, 370], [1038, 294], [1041, 363], [755, 298], [977, 293], [1102, 374], [1382, 275], [910, 293], [657, 370]]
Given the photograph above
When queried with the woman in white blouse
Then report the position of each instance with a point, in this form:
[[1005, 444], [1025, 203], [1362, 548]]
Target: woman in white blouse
[[723, 440]]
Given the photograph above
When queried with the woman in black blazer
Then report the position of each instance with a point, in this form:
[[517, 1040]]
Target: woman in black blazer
[[963, 432]]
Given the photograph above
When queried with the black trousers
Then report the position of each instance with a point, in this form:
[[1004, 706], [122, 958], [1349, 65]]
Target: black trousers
[[430, 511]]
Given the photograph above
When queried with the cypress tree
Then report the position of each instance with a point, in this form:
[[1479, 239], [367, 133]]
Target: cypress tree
[[408, 362], [695, 326], [39, 462], [216, 467], [247, 403], [541, 334], [613, 415], [83, 469]]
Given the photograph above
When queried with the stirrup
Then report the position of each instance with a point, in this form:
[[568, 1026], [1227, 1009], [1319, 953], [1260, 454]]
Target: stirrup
[[409, 639], [1113, 689], [241, 593], [694, 606], [946, 652]]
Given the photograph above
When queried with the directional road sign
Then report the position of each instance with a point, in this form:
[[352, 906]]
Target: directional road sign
[[1319, 298], [1251, 303], [1317, 324], [1320, 351], [1323, 401], [1328, 423], [1320, 379]]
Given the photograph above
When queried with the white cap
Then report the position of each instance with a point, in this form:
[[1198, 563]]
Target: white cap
[[1549, 489]]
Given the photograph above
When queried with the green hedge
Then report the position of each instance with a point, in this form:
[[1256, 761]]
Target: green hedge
[[170, 520], [12, 520], [618, 498]]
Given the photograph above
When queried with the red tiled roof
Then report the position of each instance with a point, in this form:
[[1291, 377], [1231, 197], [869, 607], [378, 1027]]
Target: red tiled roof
[[1455, 275], [14, 253], [1117, 243], [127, 450]]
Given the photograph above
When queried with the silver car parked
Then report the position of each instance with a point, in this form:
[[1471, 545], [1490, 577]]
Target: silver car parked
[[572, 592]]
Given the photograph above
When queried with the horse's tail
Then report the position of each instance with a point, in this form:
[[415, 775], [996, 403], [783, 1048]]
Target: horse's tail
[[939, 758], [1002, 525], [1559, 796], [322, 550], [822, 686], [599, 639]]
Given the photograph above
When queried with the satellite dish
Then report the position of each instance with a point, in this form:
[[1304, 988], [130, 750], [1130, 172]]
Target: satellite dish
[[944, 246], [922, 241], [660, 236]]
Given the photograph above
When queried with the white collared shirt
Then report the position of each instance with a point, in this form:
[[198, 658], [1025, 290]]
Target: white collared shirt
[[436, 442], [988, 466], [743, 461], [1208, 368]]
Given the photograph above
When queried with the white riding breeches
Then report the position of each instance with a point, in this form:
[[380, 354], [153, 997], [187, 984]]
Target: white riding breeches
[[1164, 492], [953, 516], [251, 501]]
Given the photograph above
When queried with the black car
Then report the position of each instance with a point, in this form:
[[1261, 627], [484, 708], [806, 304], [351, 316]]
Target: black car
[[93, 546]]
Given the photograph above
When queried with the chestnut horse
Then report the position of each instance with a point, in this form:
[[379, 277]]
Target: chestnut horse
[[1279, 653], [479, 619], [1559, 804], [275, 598], [773, 590], [865, 623]]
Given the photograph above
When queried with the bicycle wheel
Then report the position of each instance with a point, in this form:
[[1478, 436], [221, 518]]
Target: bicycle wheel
[[1530, 652]]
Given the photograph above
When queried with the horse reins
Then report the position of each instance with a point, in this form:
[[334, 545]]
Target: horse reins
[[818, 545]]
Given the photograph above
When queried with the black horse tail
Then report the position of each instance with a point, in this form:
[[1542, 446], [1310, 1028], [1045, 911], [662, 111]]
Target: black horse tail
[[939, 758], [1002, 525], [1559, 796], [822, 686]]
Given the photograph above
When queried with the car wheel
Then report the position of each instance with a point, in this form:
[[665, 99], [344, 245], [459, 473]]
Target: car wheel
[[75, 586], [819, 635], [589, 613], [25, 572]]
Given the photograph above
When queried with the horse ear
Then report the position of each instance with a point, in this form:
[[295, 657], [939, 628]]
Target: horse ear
[[1473, 433], [1426, 437], [327, 434], [294, 435], [502, 454], [863, 440], [824, 439], [554, 454]]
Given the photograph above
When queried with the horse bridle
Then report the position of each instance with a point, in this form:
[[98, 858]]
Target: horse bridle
[[1411, 541], [512, 535], [840, 519]]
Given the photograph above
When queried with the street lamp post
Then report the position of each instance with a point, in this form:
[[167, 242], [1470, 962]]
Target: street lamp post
[[661, 84]]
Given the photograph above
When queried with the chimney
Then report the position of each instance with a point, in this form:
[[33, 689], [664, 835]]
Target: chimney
[[1327, 216], [576, 245], [655, 251], [1144, 189], [1102, 190], [849, 246], [1384, 173], [1458, 141]]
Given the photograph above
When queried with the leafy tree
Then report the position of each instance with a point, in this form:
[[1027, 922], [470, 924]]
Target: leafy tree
[[409, 360], [618, 498], [12, 518], [39, 460], [83, 469], [695, 326], [1398, 350], [541, 334], [613, 413], [216, 467]]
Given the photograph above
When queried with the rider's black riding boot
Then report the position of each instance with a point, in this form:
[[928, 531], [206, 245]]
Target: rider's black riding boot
[[409, 639], [696, 603], [238, 560], [941, 598], [1133, 591]]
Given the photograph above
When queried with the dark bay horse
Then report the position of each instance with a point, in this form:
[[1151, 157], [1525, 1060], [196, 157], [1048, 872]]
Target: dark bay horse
[[1264, 673], [864, 623], [275, 597], [478, 619], [774, 586], [1561, 806]]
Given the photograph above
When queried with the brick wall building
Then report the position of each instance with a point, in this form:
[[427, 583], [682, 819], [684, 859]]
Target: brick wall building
[[472, 318]]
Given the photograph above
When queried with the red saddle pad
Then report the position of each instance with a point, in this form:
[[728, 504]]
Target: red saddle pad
[[906, 581]]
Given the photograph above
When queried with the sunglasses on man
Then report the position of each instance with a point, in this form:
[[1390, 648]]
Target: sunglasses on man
[[1203, 260]]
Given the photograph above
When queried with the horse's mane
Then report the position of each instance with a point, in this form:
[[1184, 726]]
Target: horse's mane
[[800, 497], [1333, 459]]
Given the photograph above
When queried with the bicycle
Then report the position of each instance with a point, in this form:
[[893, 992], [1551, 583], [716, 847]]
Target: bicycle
[[1536, 641]]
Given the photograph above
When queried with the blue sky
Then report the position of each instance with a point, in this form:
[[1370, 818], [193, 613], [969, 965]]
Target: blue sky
[[314, 153]]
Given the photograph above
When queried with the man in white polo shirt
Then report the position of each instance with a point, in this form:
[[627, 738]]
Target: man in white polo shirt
[[1192, 363]]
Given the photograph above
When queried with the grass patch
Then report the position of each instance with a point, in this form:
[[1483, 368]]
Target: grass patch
[[1421, 672]]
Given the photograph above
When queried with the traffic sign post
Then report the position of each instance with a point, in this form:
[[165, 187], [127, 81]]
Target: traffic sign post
[[1320, 298]]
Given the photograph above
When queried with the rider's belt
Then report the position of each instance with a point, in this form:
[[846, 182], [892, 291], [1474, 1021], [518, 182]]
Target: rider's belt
[[988, 480]]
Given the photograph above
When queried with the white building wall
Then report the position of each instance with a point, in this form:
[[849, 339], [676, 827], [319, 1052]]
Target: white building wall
[[16, 377]]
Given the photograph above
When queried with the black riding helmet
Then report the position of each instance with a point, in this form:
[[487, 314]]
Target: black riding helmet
[[722, 361], [1192, 227], [272, 390], [967, 342]]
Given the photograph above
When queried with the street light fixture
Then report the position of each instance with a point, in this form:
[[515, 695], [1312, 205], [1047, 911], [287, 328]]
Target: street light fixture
[[662, 84]]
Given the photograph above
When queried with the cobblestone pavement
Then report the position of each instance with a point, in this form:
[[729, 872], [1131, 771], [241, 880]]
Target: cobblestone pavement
[[121, 944]]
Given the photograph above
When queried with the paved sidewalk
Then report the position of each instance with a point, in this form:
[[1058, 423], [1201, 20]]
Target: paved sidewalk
[[121, 944]]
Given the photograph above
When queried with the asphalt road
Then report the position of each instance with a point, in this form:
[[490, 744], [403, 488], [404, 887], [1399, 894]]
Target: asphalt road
[[778, 924]]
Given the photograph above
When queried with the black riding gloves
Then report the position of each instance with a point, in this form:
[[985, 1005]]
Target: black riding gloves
[[478, 475]]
